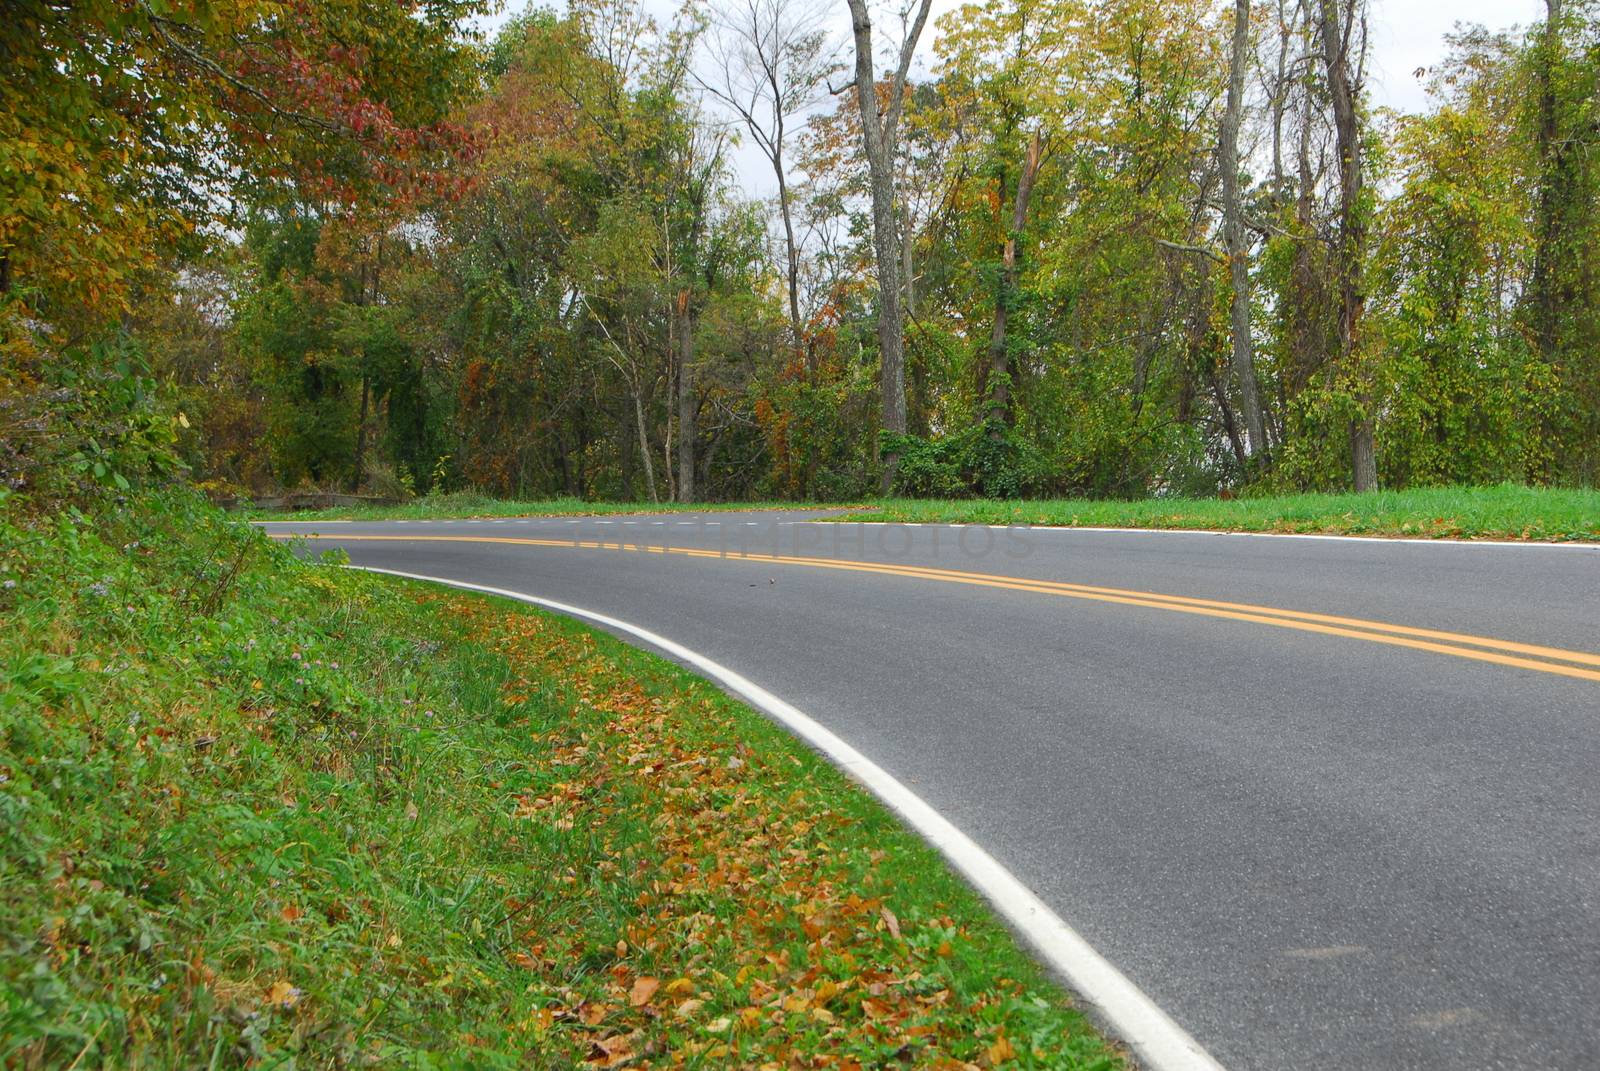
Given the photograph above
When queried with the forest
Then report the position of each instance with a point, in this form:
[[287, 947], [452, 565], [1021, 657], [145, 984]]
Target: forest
[[1048, 248]]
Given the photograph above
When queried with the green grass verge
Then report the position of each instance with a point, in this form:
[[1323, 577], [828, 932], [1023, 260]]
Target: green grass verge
[[465, 505], [258, 812], [1506, 512]]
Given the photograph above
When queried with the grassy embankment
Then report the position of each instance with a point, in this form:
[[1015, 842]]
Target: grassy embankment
[[1505, 512], [254, 811]]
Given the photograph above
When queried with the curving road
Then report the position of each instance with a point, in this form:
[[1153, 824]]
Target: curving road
[[1329, 803]]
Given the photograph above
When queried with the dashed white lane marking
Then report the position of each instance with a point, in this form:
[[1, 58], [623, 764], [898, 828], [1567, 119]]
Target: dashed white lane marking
[[1160, 1043]]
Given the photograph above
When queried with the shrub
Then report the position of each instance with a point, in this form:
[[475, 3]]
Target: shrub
[[988, 460]]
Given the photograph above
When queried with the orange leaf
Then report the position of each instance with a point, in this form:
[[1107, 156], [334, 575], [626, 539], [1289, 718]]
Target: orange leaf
[[644, 987], [283, 995]]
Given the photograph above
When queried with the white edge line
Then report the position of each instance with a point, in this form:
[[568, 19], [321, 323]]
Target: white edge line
[[1524, 545], [1108, 995]]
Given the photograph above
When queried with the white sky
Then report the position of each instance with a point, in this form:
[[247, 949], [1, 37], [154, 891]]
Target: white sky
[[1406, 35]]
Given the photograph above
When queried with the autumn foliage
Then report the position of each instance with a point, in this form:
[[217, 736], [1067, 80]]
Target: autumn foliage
[[131, 129]]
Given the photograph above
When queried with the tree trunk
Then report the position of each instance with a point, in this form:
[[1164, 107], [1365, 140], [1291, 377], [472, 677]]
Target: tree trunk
[[1280, 93], [360, 460], [793, 253], [878, 135], [1546, 307], [999, 372], [1352, 227], [917, 404], [687, 431], [644, 445], [1307, 337], [1233, 236]]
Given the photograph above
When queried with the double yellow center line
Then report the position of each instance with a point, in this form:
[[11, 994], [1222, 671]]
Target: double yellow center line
[[1460, 645]]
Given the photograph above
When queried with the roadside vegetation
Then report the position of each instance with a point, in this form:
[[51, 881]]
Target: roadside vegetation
[[256, 811], [460, 505], [1504, 512]]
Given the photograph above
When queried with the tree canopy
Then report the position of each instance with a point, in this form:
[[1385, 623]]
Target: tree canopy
[[1126, 249]]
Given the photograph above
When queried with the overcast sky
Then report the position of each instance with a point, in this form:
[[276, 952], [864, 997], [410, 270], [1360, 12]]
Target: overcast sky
[[1406, 35]]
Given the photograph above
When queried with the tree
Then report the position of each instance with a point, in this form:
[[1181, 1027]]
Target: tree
[[1013, 68], [1556, 182], [1234, 238], [127, 127], [1342, 33], [880, 130], [775, 60]]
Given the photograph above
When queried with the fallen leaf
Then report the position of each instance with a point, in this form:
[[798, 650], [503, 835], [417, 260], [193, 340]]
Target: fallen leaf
[[644, 987], [688, 1008], [1001, 1050], [890, 921], [283, 995], [608, 1052]]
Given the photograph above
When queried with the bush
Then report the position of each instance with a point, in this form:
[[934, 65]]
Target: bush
[[85, 421], [988, 460]]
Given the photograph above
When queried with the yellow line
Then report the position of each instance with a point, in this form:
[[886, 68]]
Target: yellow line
[[1460, 645]]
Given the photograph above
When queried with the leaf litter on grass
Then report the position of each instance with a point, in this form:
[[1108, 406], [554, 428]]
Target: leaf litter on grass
[[762, 933]]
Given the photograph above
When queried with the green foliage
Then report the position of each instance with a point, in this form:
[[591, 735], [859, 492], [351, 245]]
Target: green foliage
[[988, 460], [93, 423], [263, 812], [523, 322]]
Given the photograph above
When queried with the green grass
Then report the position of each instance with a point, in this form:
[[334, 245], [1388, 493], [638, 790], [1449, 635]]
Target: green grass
[[462, 505], [1505, 512], [259, 812]]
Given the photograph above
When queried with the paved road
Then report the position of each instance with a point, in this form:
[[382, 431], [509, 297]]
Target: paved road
[[1313, 843]]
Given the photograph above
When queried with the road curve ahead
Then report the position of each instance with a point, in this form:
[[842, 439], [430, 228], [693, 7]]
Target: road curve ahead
[[1329, 803]]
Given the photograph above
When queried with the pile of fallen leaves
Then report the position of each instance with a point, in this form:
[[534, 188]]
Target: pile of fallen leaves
[[767, 927]]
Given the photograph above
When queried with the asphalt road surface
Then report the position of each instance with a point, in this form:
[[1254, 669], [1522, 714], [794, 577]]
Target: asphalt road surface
[[1315, 841]]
